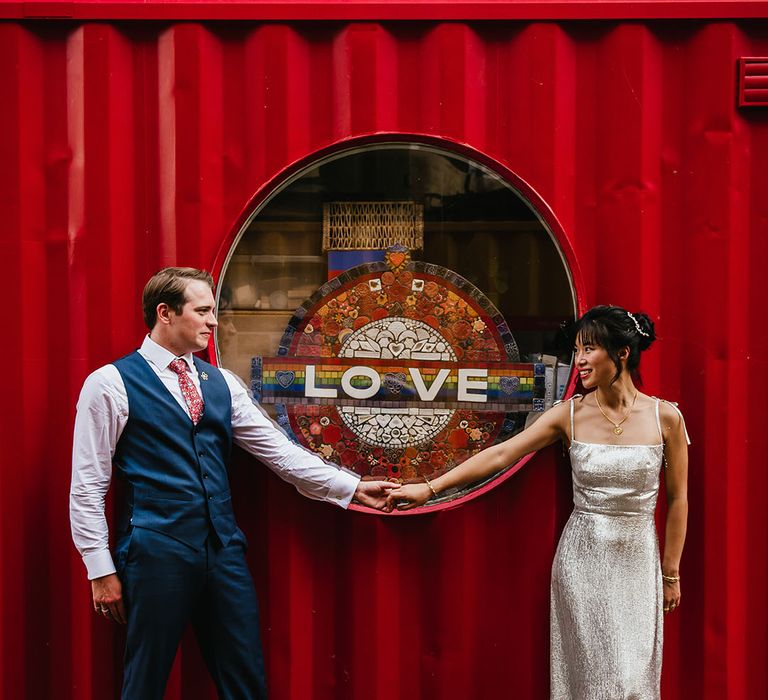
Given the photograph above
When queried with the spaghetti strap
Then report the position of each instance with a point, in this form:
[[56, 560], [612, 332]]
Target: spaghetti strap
[[679, 413], [572, 433], [658, 421], [570, 401]]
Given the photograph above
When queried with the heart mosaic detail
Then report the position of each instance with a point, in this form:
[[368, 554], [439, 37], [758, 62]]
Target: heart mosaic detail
[[394, 382], [396, 259], [285, 378], [509, 385]]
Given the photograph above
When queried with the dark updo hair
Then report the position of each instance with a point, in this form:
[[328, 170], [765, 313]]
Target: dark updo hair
[[614, 328]]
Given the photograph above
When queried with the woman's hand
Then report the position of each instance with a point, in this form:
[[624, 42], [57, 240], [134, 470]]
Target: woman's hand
[[671, 596], [408, 496]]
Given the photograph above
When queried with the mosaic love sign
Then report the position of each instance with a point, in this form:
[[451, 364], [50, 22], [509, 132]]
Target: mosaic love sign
[[442, 385], [399, 369]]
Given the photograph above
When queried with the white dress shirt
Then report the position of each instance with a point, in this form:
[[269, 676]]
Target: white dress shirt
[[102, 412]]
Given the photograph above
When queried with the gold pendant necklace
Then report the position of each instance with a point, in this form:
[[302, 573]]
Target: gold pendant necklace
[[617, 429]]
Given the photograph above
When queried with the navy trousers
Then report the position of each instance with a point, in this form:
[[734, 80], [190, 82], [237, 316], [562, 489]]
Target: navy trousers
[[167, 585]]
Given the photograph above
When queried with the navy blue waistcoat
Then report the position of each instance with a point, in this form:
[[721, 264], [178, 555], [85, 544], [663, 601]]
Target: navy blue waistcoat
[[175, 471]]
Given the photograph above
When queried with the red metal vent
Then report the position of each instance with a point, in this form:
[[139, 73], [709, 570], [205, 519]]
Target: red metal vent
[[753, 82]]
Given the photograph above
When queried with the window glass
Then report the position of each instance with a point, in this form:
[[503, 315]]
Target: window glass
[[480, 243]]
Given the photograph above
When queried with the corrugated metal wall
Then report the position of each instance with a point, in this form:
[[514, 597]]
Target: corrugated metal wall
[[126, 147]]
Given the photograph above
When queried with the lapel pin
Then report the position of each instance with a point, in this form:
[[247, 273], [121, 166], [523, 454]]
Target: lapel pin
[[204, 376]]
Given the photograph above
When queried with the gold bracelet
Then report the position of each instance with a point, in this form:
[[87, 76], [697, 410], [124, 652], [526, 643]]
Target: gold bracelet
[[670, 579], [434, 493]]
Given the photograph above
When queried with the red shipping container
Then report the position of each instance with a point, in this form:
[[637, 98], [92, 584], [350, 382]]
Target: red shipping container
[[138, 135]]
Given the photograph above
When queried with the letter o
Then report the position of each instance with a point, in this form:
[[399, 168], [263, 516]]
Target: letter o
[[360, 371]]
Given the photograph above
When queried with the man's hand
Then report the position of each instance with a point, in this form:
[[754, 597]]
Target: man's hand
[[108, 597], [374, 494]]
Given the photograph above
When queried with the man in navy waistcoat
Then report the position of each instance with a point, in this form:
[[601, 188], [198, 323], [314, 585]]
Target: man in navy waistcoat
[[166, 421]]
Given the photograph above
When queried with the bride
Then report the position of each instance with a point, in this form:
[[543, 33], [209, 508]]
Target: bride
[[609, 585]]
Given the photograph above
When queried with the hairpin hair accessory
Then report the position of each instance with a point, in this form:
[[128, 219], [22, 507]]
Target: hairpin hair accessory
[[637, 325]]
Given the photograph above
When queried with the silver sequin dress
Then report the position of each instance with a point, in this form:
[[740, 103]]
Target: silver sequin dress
[[606, 596]]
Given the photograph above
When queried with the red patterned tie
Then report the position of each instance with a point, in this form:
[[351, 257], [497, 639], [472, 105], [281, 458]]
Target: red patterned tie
[[188, 389]]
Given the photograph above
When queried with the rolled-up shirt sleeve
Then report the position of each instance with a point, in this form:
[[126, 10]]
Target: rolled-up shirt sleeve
[[101, 416], [256, 433]]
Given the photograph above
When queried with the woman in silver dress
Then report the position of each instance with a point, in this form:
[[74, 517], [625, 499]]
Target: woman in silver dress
[[609, 585]]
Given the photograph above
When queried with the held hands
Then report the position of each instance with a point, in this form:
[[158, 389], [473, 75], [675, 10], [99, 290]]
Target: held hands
[[408, 496], [108, 598], [374, 494], [388, 495]]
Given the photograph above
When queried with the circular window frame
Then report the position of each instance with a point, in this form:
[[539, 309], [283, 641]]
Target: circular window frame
[[285, 177]]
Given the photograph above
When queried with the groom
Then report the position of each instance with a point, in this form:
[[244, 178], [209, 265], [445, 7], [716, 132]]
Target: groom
[[167, 420]]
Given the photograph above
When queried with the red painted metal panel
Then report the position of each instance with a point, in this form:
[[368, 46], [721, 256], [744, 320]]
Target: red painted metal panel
[[125, 147], [378, 10]]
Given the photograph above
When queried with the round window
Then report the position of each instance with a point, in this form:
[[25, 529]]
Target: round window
[[398, 307]]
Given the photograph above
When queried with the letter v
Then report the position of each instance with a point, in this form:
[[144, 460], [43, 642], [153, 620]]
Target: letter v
[[421, 389]]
